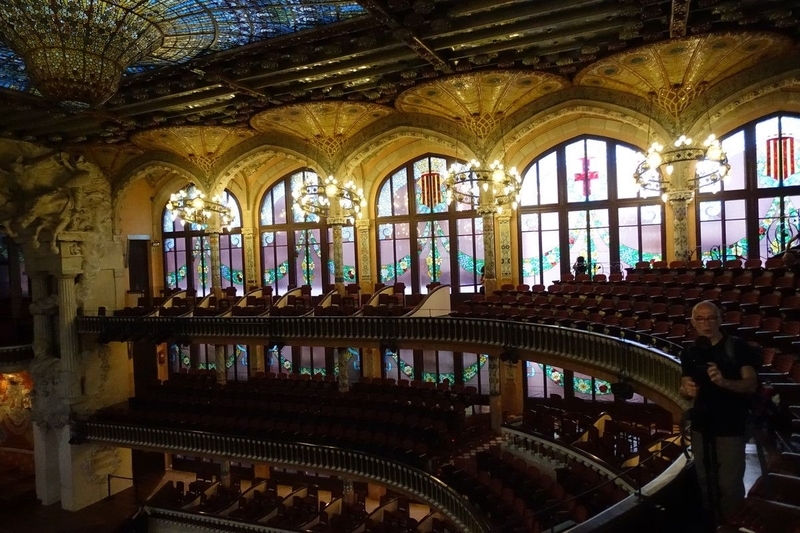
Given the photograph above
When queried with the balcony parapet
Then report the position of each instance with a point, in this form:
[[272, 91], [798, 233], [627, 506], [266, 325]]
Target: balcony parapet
[[649, 363], [403, 478], [15, 358]]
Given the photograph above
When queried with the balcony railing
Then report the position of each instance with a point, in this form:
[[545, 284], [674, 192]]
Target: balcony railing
[[647, 362], [15, 358], [411, 481]]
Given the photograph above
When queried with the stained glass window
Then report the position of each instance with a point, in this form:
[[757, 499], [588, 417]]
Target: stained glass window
[[201, 27], [763, 184], [420, 238], [580, 199], [187, 253], [297, 249]]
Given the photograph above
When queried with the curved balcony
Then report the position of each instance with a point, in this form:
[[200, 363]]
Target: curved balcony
[[411, 481], [650, 364], [15, 358]]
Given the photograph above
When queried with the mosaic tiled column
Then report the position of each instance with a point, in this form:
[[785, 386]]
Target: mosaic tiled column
[[679, 203], [495, 398], [489, 274], [341, 365], [216, 276], [336, 224]]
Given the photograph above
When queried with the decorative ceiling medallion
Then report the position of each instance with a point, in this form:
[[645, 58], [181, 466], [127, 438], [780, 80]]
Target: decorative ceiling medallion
[[479, 99], [202, 145], [678, 70], [326, 125]]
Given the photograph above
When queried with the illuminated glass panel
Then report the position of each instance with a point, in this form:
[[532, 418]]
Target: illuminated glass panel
[[195, 28], [587, 174]]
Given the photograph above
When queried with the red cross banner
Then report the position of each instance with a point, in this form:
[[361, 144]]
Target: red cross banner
[[586, 176]]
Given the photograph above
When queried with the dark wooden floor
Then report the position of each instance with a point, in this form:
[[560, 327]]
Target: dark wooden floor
[[24, 513]]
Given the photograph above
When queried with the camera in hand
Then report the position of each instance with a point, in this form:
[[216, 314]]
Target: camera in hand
[[701, 357]]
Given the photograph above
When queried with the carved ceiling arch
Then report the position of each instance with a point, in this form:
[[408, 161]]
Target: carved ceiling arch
[[541, 132], [479, 101], [246, 158], [167, 166], [370, 162], [676, 73], [111, 159], [202, 145], [325, 125]]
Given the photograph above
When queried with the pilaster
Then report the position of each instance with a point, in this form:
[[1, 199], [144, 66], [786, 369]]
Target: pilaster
[[250, 247], [68, 336], [364, 254]]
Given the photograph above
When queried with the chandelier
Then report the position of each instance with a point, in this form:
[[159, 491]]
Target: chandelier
[[193, 207], [682, 168], [487, 189], [329, 198], [75, 51]]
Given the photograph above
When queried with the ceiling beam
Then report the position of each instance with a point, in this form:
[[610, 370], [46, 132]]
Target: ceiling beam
[[379, 11], [679, 18]]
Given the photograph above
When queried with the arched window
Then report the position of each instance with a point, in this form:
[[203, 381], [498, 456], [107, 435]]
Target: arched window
[[420, 238], [763, 185], [297, 247], [580, 199], [187, 252]]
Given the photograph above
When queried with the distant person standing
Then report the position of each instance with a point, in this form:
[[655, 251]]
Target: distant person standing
[[482, 290], [580, 266]]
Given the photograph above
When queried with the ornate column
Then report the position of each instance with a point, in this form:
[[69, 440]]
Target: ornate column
[[489, 274], [250, 247], [341, 365], [216, 289], [68, 336], [216, 276], [338, 251], [364, 255], [678, 201], [14, 278], [42, 309], [495, 398]]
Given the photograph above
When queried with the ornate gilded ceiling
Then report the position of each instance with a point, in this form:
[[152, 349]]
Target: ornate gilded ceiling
[[474, 60], [674, 73], [480, 100], [201, 145], [326, 125]]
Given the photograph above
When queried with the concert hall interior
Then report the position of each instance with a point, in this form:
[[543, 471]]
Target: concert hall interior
[[389, 265]]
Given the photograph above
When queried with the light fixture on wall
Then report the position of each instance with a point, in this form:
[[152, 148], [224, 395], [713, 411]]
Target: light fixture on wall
[[330, 198], [683, 167], [488, 188], [192, 206]]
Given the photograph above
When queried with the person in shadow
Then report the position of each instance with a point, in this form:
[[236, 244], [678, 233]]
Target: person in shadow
[[580, 266], [718, 373]]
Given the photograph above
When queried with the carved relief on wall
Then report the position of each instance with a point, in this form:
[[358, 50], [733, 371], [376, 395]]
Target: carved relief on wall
[[42, 197], [15, 411]]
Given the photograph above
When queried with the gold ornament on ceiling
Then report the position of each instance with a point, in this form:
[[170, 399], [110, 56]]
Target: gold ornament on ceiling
[[110, 159], [678, 71], [325, 125], [203, 146], [479, 100]]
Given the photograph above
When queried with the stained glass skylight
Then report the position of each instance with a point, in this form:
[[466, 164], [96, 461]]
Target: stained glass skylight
[[188, 28]]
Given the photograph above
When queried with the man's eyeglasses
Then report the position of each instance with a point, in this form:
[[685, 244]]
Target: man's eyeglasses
[[705, 318]]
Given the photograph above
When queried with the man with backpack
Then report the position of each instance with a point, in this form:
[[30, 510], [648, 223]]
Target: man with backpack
[[718, 372]]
